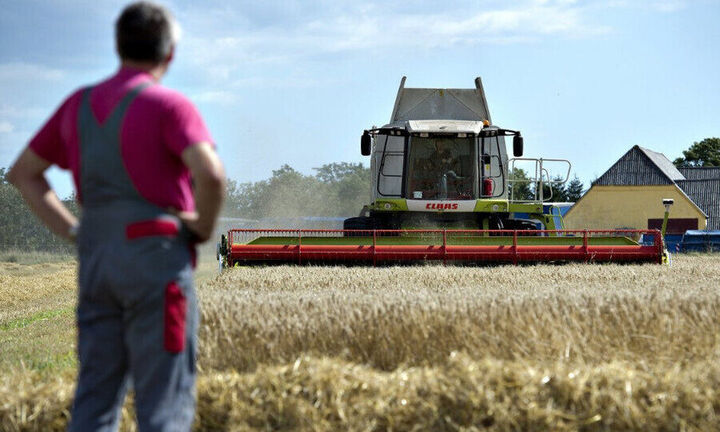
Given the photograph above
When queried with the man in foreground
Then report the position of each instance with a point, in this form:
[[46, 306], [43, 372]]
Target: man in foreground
[[151, 186]]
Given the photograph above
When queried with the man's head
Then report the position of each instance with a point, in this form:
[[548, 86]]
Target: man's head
[[146, 33]]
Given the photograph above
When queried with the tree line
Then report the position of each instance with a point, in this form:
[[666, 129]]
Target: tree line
[[19, 227], [705, 153], [336, 189]]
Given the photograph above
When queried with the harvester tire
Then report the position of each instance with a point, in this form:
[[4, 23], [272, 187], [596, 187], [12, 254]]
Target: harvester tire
[[223, 245], [520, 224], [359, 223]]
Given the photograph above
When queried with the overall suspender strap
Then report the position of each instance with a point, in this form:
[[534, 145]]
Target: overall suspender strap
[[103, 176]]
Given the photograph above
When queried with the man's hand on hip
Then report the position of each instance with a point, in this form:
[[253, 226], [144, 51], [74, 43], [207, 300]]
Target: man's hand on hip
[[209, 189], [191, 222]]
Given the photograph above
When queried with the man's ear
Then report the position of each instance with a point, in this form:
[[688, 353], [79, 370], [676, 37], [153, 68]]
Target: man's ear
[[170, 55]]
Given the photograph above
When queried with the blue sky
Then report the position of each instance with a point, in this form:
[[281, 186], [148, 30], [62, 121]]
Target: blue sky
[[296, 82]]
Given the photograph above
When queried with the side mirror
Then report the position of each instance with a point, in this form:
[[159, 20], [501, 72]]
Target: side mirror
[[365, 144], [518, 145]]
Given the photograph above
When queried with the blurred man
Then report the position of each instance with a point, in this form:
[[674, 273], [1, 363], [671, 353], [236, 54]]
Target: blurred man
[[151, 186]]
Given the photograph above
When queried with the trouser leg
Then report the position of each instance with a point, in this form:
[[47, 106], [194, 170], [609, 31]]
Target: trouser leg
[[163, 365], [102, 380]]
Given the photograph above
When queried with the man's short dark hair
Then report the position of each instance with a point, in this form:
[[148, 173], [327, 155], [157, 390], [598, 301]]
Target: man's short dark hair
[[145, 32]]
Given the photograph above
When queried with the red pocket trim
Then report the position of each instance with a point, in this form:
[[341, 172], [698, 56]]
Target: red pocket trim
[[152, 227], [193, 256], [175, 313]]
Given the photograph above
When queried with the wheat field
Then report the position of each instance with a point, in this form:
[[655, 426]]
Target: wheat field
[[548, 347]]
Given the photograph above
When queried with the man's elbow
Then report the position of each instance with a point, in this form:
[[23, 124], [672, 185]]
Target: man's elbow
[[27, 169], [217, 182], [14, 177], [213, 180], [11, 176]]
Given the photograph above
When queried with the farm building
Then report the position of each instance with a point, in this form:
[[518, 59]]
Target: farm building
[[629, 195], [702, 185]]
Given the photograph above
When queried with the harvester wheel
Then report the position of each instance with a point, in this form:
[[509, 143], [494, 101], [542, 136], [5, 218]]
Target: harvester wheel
[[359, 223], [520, 224], [223, 245]]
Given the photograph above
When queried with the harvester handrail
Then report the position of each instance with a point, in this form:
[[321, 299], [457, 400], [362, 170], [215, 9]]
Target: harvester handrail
[[540, 172]]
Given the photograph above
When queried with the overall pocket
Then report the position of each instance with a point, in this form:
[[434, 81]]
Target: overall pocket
[[175, 319]]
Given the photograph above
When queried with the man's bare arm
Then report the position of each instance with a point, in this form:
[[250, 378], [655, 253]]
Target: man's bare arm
[[209, 180], [28, 176]]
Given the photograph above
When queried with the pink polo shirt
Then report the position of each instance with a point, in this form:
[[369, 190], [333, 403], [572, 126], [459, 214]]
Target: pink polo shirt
[[159, 124]]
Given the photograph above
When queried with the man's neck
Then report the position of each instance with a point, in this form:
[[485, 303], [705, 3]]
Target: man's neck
[[156, 70]]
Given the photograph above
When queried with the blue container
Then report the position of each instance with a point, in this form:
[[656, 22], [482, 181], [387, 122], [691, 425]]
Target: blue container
[[672, 241], [701, 241]]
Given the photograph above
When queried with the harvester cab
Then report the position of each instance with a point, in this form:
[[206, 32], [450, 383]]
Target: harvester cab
[[443, 189], [441, 163]]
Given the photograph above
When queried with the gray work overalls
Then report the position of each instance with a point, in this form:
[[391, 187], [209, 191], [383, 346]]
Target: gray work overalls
[[137, 311]]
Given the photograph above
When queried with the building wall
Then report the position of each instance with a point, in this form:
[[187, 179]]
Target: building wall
[[614, 207]]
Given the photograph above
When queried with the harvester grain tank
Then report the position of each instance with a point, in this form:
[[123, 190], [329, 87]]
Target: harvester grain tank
[[441, 190]]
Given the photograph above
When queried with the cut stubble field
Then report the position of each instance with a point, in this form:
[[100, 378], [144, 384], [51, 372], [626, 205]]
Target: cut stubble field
[[549, 347]]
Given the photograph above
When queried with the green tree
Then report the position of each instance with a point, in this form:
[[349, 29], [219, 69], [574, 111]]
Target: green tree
[[290, 193], [336, 190], [233, 199], [555, 192], [336, 172], [704, 153], [519, 185], [574, 190], [21, 230], [347, 187]]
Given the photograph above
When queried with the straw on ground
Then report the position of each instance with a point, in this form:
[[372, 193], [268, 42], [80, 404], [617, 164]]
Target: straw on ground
[[572, 347]]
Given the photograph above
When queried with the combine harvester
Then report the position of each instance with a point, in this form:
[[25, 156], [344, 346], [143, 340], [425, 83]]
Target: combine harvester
[[441, 192]]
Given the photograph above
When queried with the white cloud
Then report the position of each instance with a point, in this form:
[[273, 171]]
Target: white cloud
[[16, 113], [215, 97], [29, 71], [371, 29], [234, 45], [669, 6], [232, 88], [665, 6], [6, 126]]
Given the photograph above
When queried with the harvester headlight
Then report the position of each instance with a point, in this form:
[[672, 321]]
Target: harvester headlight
[[387, 206]]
